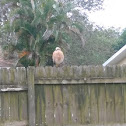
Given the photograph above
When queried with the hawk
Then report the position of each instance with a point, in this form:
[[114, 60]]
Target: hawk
[[58, 56]]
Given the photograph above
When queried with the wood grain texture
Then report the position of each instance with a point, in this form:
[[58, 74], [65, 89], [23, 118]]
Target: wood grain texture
[[31, 96], [23, 105], [58, 105], [85, 104], [66, 105], [119, 104], [49, 105], [40, 105], [94, 104], [124, 87], [5, 107], [102, 104], [67, 96], [14, 112], [110, 103]]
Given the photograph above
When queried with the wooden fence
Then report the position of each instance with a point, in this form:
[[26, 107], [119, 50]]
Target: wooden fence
[[67, 96]]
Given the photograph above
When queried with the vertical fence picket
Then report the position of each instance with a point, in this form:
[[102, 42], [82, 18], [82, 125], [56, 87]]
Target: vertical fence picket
[[110, 103], [124, 87], [75, 112], [5, 97], [102, 103], [85, 105], [31, 96], [23, 106], [94, 104], [38, 103], [49, 105], [66, 105], [43, 105], [58, 105], [119, 104], [5, 105], [14, 115], [22, 95]]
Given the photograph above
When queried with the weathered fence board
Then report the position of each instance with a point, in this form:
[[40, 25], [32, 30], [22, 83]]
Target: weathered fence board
[[38, 110], [94, 104], [67, 96], [13, 96], [85, 104], [82, 104], [124, 87], [75, 110], [49, 105], [119, 104], [110, 103], [5, 105], [31, 96], [58, 111], [102, 103], [23, 105], [13, 106], [66, 105], [40, 105]]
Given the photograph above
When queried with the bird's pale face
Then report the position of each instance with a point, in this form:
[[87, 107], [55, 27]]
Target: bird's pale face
[[57, 48]]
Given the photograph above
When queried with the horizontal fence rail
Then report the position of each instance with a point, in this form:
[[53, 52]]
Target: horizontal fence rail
[[80, 74], [65, 96]]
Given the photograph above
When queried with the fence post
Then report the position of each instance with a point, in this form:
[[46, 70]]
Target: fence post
[[31, 96]]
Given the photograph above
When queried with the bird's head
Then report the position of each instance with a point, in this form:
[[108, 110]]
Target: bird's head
[[57, 48]]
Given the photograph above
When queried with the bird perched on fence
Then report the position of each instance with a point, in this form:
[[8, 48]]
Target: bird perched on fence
[[58, 57]]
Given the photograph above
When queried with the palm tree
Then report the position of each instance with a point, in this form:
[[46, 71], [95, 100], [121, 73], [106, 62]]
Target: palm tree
[[40, 26]]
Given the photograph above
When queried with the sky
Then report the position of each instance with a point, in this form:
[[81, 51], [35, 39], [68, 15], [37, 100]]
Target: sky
[[113, 15]]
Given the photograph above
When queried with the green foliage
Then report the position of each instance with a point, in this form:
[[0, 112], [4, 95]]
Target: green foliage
[[98, 47], [121, 41], [40, 26], [39, 29]]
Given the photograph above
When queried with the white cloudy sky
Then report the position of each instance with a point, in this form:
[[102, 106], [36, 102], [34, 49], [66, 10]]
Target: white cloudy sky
[[113, 15]]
